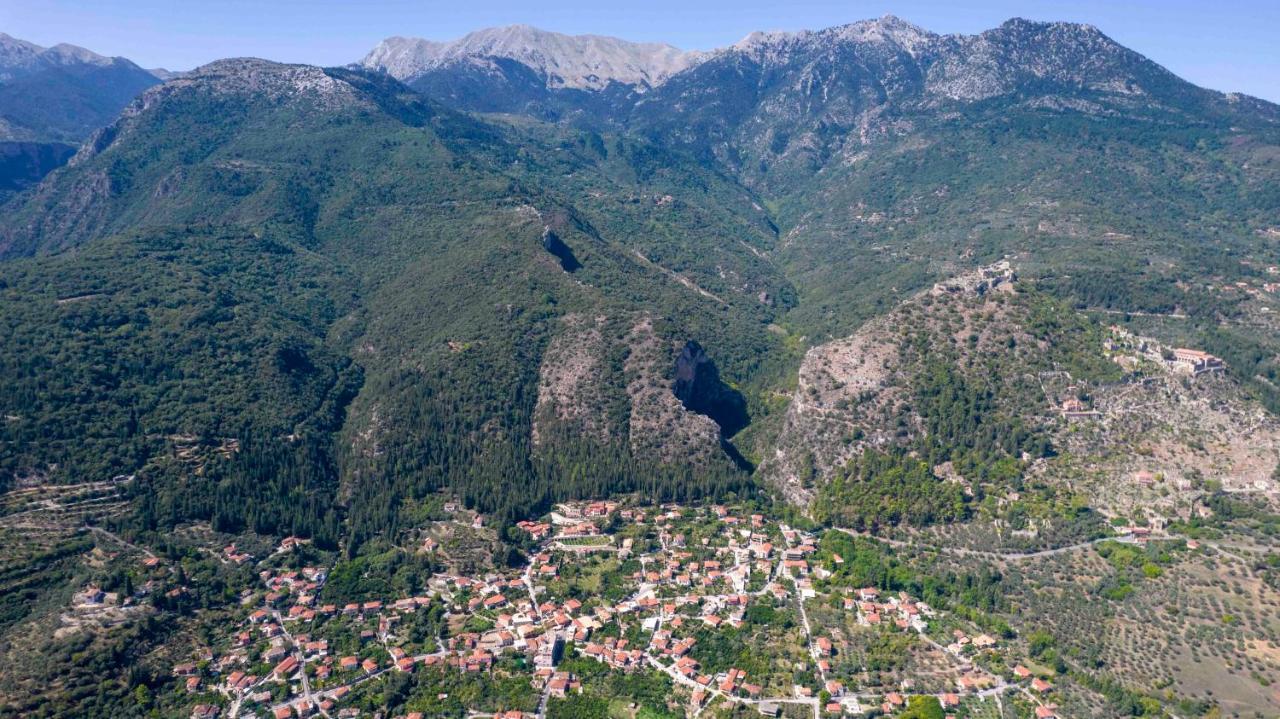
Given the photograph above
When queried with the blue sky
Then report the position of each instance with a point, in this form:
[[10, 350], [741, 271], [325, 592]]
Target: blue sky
[[1225, 45]]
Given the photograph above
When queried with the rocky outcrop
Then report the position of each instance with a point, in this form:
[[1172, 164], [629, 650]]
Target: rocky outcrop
[[699, 389], [571, 393], [662, 428], [617, 379], [843, 392], [585, 62], [854, 393], [552, 243]]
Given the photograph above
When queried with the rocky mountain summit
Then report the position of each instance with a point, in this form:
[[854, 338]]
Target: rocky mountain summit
[[884, 60], [18, 57], [905, 57], [792, 102], [586, 62]]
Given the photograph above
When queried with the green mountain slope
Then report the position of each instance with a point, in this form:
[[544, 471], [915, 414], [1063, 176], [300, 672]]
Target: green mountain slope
[[423, 262], [890, 156]]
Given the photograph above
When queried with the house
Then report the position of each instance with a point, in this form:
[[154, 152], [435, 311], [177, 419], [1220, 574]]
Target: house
[[1040, 685], [1047, 711], [984, 641], [1194, 362], [769, 709], [1073, 407], [1021, 672], [285, 668], [562, 683]]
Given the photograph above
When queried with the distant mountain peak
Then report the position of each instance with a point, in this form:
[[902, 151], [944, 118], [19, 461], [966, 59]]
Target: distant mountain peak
[[588, 62], [889, 29], [14, 50], [62, 92], [1022, 23], [16, 54]]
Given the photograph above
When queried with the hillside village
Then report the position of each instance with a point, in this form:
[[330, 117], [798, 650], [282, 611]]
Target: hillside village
[[705, 571], [718, 609]]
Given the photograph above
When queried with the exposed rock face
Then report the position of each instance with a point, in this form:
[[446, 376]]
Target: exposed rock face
[[843, 390], [661, 427], [571, 392], [552, 243], [272, 81], [699, 388], [585, 62], [666, 401], [850, 392]]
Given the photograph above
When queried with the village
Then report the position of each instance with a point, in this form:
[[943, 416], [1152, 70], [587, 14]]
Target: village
[[670, 583]]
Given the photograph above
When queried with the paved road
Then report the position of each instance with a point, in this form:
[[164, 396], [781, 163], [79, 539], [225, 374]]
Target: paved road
[[982, 554], [813, 651], [302, 666]]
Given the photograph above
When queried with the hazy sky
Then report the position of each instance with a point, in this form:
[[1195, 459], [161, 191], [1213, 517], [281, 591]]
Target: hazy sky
[[1225, 45]]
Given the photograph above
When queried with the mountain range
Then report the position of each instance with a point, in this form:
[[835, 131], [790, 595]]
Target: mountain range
[[764, 195], [51, 99], [519, 268], [64, 92]]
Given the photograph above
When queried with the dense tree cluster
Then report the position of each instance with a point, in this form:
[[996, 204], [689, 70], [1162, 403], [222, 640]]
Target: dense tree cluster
[[879, 489]]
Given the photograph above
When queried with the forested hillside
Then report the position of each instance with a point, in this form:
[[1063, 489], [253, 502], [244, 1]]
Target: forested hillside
[[497, 304], [314, 325]]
